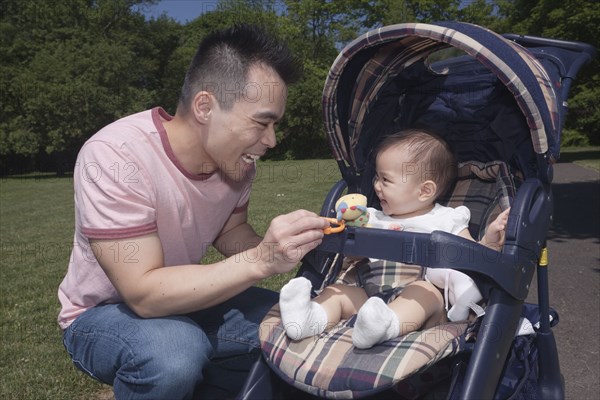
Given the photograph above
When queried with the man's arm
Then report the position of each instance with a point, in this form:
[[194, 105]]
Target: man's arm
[[236, 236], [152, 289]]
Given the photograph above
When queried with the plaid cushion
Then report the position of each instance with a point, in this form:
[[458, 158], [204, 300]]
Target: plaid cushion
[[329, 365], [485, 188], [382, 276]]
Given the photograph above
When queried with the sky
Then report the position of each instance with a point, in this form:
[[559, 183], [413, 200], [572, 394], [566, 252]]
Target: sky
[[181, 10], [184, 11]]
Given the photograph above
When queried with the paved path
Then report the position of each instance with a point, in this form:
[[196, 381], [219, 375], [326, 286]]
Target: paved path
[[574, 256]]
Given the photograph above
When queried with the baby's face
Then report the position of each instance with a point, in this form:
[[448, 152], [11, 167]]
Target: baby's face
[[398, 183]]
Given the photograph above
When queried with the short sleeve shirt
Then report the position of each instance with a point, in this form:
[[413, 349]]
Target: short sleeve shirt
[[129, 183]]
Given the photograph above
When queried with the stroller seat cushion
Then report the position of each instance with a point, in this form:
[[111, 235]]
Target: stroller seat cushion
[[485, 188], [381, 276], [329, 365]]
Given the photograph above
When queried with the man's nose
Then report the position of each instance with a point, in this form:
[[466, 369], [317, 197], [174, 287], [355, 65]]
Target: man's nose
[[269, 139]]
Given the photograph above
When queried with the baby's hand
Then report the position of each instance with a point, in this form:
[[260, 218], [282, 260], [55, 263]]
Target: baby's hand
[[494, 236], [499, 224]]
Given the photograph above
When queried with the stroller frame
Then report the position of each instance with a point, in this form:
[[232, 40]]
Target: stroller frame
[[506, 279]]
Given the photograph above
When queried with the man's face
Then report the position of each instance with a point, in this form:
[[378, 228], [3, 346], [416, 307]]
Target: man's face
[[239, 136]]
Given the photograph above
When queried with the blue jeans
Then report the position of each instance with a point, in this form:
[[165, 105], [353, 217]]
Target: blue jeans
[[206, 354]]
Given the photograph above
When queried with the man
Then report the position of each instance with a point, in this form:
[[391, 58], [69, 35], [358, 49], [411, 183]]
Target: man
[[151, 192]]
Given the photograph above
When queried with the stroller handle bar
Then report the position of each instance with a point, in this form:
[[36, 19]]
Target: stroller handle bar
[[535, 41]]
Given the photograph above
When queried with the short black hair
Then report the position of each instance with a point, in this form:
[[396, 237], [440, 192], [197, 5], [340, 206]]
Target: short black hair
[[224, 57]]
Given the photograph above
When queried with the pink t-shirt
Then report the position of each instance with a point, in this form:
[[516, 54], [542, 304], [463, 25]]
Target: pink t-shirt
[[128, 183]]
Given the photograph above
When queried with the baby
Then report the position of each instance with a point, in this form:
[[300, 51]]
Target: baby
[[413, 169]]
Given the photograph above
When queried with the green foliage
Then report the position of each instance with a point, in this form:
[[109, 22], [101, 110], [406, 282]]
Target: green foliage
[[69, 67], [72, 66], [584, 114], [576, 20], [573, 138], [302, 133]]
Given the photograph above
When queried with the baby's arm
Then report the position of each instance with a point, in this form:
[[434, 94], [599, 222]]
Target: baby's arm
[[494, 236]]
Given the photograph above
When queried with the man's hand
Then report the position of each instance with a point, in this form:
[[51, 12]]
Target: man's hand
[[152, 290], [289, 238]]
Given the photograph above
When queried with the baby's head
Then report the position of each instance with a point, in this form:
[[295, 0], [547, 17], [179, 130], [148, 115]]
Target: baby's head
[[413, 165]]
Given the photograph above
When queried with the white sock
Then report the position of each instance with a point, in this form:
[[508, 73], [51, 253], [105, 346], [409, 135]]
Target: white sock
[[301, 317], [375, 323]]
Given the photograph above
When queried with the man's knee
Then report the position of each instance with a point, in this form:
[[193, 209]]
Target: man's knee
[[167, 365]]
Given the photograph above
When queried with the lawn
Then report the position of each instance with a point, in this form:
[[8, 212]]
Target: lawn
[[36, 231], [588, 157]]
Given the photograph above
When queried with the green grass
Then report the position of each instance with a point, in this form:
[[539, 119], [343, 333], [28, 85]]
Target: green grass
[[36, 232], [588, 157]]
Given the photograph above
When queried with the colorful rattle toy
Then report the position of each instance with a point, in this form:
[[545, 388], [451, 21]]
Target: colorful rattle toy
[[351, 210]]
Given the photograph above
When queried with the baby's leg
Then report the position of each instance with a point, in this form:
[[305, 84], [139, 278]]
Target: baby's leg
[[303, 318], [419, 305], [341, 301]]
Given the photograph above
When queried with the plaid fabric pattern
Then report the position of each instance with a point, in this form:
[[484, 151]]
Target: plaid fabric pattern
[[401, 45], [384, 277], [485, 188], [330, 366]]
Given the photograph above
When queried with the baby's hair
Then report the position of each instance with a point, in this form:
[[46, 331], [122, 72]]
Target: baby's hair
[[429, 152]]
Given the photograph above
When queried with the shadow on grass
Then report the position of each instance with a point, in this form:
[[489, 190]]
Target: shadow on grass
[[588, 154], [36, 176]]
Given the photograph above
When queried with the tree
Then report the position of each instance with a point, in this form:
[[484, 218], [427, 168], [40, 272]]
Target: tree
[[72, 66], [576, 20], [69, 67]]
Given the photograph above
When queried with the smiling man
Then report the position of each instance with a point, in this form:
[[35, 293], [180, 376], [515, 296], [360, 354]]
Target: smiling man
[[152, 191]]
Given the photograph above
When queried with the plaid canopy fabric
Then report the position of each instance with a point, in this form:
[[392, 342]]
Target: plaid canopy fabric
[[393, 48]]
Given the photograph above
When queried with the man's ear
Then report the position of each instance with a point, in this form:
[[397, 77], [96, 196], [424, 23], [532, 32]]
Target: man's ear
[[202, 106], [427, 190]]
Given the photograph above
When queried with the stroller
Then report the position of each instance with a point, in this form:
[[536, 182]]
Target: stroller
[[500, 101]]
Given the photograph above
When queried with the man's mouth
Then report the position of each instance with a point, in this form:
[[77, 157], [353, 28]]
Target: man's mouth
[[250, 158]]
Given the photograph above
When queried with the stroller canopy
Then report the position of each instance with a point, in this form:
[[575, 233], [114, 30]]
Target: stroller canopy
[[360, 95]]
